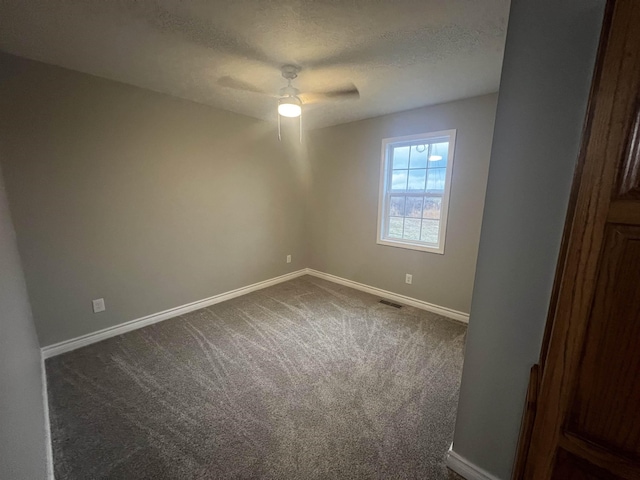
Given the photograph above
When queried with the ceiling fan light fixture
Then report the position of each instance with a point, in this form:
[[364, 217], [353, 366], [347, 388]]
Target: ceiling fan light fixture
[[290, 106]]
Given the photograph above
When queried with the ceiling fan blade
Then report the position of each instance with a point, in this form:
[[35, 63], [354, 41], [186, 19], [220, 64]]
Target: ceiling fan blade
[[230, 82], [178, 18], [349, 92]]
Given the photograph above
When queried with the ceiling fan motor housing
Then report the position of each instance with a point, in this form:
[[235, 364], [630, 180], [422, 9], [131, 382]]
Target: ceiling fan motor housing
[[290, 71]]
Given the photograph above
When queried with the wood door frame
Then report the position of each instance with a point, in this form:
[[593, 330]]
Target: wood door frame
[[576, 183], [573, 235]]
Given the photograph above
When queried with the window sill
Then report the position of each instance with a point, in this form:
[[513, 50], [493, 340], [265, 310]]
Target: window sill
[[411, 246]]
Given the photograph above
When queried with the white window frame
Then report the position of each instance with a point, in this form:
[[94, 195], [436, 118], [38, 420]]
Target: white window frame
[[385, 192]]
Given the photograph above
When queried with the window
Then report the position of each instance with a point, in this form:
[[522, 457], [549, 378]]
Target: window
[[415, 181]]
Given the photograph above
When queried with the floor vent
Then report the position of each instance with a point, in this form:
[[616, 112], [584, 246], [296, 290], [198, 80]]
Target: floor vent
[[391, 304]]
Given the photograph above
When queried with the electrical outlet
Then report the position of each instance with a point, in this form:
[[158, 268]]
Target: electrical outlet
[[288, 258], [98, 305], [408, 278]]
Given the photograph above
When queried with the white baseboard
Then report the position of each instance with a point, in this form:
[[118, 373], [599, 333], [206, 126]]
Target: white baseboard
[[414, 302], [47, 422], [454, 461], [84, 340], [88, 339], [465, 468]]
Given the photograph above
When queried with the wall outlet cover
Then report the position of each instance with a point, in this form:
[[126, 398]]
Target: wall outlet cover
[[408, 278], [98, 305]]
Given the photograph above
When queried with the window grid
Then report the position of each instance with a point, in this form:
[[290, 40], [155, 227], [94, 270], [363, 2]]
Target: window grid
[[414, 190], [422, 193], [423, 196]]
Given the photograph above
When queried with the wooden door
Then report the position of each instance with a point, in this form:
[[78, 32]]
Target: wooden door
[[587, 419]]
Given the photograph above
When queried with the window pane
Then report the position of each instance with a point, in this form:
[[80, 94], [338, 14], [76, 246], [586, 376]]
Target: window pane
[[415, 173], [395, 227], [430, 230], [432, 207], [416, 179], [439, 155], [419, 156], [414, 207], [412, 228], [396, 207], [399, 180], [436, 178], [400, 157]]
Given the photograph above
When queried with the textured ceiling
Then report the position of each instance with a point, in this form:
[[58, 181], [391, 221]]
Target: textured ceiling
[[401, 54]]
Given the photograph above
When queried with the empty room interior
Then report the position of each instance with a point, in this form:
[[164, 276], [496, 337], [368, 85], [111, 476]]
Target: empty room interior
[[286, 239]]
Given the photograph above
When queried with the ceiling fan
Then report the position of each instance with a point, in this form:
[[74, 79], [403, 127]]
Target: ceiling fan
[[290, 99]]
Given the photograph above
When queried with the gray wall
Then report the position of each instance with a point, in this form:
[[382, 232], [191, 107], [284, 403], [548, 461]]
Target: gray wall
[[148, 201], [22, 432], [548, 64], [343, 208]]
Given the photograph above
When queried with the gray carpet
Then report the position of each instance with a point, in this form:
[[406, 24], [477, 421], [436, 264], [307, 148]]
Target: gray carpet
[[302, 380]]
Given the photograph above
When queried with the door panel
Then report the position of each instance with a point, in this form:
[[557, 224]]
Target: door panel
[[587, 415], [629, 183], [571, 467], [607, 398]]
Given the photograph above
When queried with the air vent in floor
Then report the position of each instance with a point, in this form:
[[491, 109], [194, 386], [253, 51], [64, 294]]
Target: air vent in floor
[[391, 304]]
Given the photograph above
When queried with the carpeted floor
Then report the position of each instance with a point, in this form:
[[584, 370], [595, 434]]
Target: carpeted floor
[[302, 380]]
